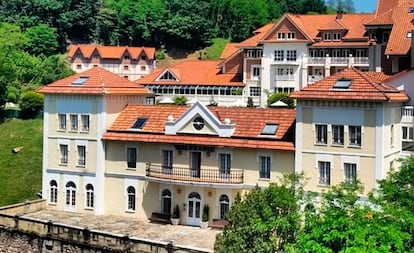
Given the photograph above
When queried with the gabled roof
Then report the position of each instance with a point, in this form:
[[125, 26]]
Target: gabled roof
[[94, 81], [248, 123], [362, 88], [194, 72], [311, 26], [258, 35], [111, 52], [229, 50]]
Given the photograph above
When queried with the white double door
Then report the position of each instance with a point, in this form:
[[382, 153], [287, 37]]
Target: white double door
[[193, 209]]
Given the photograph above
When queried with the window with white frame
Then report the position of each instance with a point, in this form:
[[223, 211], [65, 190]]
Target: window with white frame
[[350, 170], [131, 198], [70, 194], [167, 159], [255, 74], [407, 133], [324, 173], [224, 164], [73, 122], [63, 153], [131, 157], [321, 133], [279, 55], [224, 206], [53, 192], [85, 122], [326, 36], [291, 55], [280, 71], [336, 36], [62, 121], [264, 167], [281, 36], [255, 91], [291, 35], [81, 155], [355, 135], [166, 201], [252, 53], [89, 196], [338, 134]]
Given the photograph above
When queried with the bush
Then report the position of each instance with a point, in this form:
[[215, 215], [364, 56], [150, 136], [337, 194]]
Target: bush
[[12, 94], [160, 55], [282, 96], [176, 212], [180, 100], [31, 103], [206, 211]]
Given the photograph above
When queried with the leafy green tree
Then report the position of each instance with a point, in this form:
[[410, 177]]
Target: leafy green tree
[[265, 219], [13, 94], [41, 40], [31, 104], [282, 96]]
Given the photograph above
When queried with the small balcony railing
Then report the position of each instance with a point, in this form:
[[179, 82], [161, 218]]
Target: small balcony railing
[[361, 60], [316, 60], [314, 78], [234, 176], [407, 113], [285, 78], [339, 60]]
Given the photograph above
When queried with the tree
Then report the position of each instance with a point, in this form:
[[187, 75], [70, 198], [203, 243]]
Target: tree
[[282, 96], [264, 220], [31, 104], [41, 40]]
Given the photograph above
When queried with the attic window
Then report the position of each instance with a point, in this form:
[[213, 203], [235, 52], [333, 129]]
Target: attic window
[[409, 35], [168, 76], [270, 129], [80, 81], [342, 83], [139, 123], [411, 10], [143, 57]]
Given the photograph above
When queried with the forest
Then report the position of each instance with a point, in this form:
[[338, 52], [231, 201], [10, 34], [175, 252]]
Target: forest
[[35, 33]]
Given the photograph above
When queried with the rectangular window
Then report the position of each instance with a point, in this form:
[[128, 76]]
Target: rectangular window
[[63, 154], [281, 36], [255, 91], [291, 36], [350, 172], [407, 133], [280, 72], [255, 75], [132, 157], [73, 122], [225, 163], [81, 155], [337, 134], [321, 134], [254, 54], [126, 67], [291, 55], [126, 57], [326, 36], [336, 36], [167, 161], [143, 68], [324, 173], [78, 66], [62, 121], [85, 123], [279, 55], [355, 135], [264, 166]]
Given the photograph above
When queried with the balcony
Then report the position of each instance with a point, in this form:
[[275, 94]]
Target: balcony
[[215, 176], [407, 113], [314, 78], [337, 61]]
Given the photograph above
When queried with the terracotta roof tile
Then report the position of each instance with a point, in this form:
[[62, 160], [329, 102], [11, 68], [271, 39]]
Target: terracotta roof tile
[[229, 50], [194, 73], [111, 52], [363, 87], [249, 124], [380, 76], [257, 37], [97, 81]]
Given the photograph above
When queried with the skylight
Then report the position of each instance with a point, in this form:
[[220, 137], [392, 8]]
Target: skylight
[[139, 123], [411, 10], [80, 81], [342, 84], [270, 129]]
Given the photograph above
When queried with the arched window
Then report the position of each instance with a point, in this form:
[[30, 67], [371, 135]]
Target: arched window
[[131, 198], [53, 191], [166, 201], [89, 196], [71, 194], [224, 204]]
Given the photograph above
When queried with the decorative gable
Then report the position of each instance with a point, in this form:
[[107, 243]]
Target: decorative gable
[[285, 30], [198, 119], [167, 75]]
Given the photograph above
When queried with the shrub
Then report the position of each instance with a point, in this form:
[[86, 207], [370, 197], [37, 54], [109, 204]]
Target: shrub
[[31, 103], [160, 55], [176, 212], [180, 100], [12, 94], [282, 96], [206, 211]]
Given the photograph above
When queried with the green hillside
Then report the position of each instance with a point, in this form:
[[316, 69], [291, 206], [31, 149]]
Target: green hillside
[[20, 173]]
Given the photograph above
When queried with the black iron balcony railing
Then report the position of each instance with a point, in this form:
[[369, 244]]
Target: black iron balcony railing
[[234, 176]]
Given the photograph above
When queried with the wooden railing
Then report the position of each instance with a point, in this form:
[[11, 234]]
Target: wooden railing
[[234, 176]]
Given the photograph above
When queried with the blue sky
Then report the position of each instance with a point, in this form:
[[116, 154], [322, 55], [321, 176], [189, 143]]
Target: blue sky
[[367, 6]]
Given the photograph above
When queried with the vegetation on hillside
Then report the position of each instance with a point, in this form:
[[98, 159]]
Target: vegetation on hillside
[[21, 172], [282, 218]]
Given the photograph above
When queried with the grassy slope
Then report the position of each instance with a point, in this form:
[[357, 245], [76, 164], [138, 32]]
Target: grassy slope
[[20, 173]]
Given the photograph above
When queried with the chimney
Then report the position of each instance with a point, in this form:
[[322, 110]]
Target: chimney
[[339, 14]]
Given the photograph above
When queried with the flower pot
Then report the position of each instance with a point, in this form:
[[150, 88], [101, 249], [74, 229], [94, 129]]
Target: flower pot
[[203, 224], [175, 222]]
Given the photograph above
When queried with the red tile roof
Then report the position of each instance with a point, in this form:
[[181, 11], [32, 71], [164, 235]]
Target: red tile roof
[[229, 50], [111, 52], [362, 88], [257, 36], [249, 124], [380, 76], [194, 73], [98, 81]]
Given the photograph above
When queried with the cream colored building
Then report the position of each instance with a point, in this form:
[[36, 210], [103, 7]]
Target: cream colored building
[[348, 127]]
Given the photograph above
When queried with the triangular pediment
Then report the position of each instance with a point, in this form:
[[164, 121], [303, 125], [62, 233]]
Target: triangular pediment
[[286, 25], [168, 75], [198, 119]]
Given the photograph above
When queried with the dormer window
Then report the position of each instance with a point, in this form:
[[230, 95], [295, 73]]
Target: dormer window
[[336, 36], [168, 76], [143, 57], [281, 36], [326, 36], [198, 123], [126, 57], [291, 36]]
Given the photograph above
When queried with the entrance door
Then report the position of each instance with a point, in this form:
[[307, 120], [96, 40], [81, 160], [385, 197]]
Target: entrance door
[[195, 162], [194, 209]]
